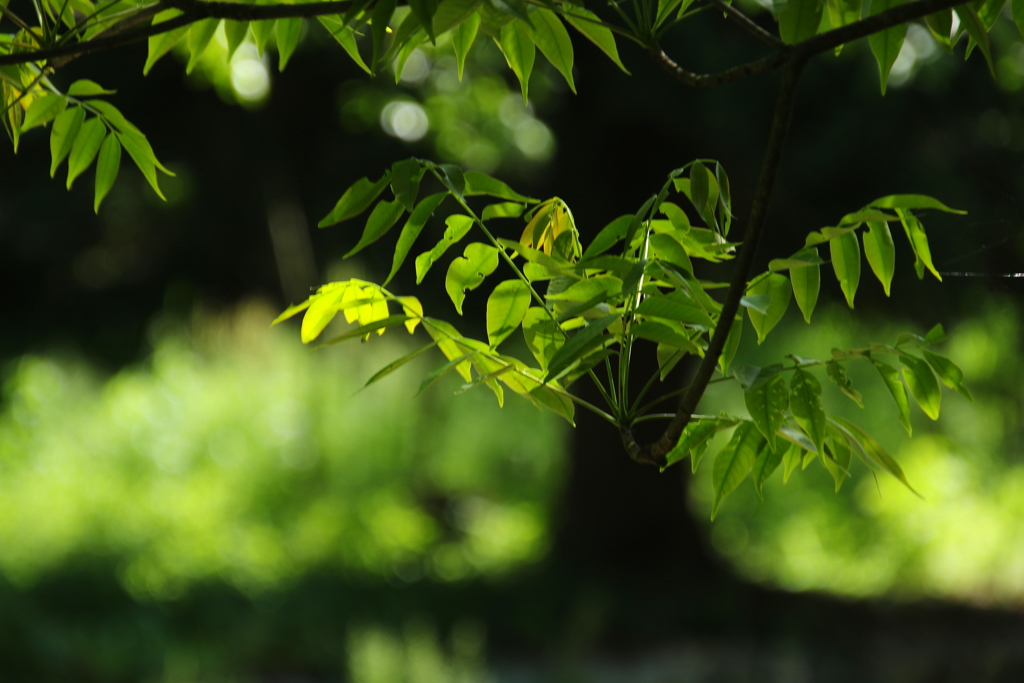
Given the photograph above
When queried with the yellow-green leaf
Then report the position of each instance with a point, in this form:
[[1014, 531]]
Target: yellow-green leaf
[[846, 263], [923, 387], [380, 220], [106, 168], [467, 272], [288, 31], [589, 24], [891, 377], [87, 144], [733, 463], [199, 36], [553, 40], [62, 135], [519, 50], [949, 372], [778, 289], [886, 45], [805, 402], [462, 40], [44, 108], [506, 308], [880, 252], [161, 44]]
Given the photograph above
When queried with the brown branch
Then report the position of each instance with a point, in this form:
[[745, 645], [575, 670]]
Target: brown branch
[[773, 61]]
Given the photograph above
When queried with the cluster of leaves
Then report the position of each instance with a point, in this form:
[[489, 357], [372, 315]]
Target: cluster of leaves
[[582, 308]]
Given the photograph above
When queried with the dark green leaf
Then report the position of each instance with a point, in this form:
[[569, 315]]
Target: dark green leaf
[[288, 31], [667, 248], [881, 253], [805, 402], [519, 50], [837, 373], [106, 168], [732, 344], [949, 372], [609, 235], [394, 365], [733, 463], [381, 219], [261, 32], [663, 334], [657, 306], [588, 23], [62, 135], [846, 263], [799, 20], [453, 178], [87, 144], [777, 287], [405, 181], [424, 11], [766, 463], [891, 377], [412, 228], [694, 434], [477, 183], [355, 200], [380, 17], [790, 460], [767, 403], [979, 34], [578, 345], [886, 45], [550, 36]]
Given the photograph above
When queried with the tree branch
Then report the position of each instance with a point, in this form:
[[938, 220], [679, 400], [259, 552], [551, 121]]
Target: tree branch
[[750, 25]]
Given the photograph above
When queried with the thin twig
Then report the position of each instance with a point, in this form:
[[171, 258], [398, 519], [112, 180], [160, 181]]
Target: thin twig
[[750, 26]]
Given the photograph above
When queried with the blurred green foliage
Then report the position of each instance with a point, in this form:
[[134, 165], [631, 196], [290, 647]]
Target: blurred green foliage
[[236, 455], [962, 540]]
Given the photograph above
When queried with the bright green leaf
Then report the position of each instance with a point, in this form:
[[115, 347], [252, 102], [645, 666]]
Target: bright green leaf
[[891, 377], [107, 166], [381, 219], [806, 283], [62, 135], [579, 344], [919, 243], [355, 200], [519, 50], [412, 228], [87, 144], [506, 308], [288, 31], [550, 36], [922, 384], [949, 372], [588, 23], [462, 40], [912, 201], [199, 36], [477, 183], [767, 402], [161, 43], [467, 272], [778, 288], [846, 263], [457, 227], [405, 181], [880, 252], [886, 45], [235, 32], [44, 108]]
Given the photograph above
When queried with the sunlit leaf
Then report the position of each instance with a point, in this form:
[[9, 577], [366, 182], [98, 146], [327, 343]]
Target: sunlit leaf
[[880, 252], [886, 45], [405, 181], [667, 248], [506, 308], [588, 23], [62, 135], [107, 166], [543, 336], [923, 387], [919, 243], [805, 402], [462, 40], [364, 330], [345, 37], [519, 50], [199, 36], [468, 271], [142, 154], [87, 144], [579, 344], [777, 287], [288, 31], [261, 32], [502, 210], [550, 36], [477, 183], [871, 448], [235, 32], [912, 201], [457, 227], [161, 43], [846, 263], [657, 306], [891, 377], [948, 372], [806, 283], [609, 235], [44, 108], [452, 344], [734, 462]]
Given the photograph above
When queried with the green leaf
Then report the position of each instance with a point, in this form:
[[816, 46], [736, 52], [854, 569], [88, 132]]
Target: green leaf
[[381, 219], [778, 288], [805, 402], [380, 17], [979, 34], [846, 263], [925, 390], [346, 38], [506, 308], [106, 168], [799, 20], [919, 243], [881, 253], [502, 210], [288, 31], [550, 36], [453, 178], [767, 402], [364, 330], [724, 199], [411, 230], [467, 272], [841, 13], [462, 40], [543, 336], [886, 45], [637, 221], [803, 259], [732, 344], [458, 226], [161, 44], [871, 449], [519, 50], [261, 32], [837, 462], [62, 135], [440, 372], [394, 365], [837, 373], [1017, 10], [452, 13], [891, 377], [949, 372], [609, 235], [114, 116], [663, 334], [912, 201], [658, 306], [424, 11], [700, 187], [512, 8], [43, 109], [142, 154], [578, 345], [452, 344], [667, 248], [766, 464], [199, 36], [355, 200], [694, 434], [734, 462], [477, 183], [405, 181], [587, 23], [87, 144], [790, 460], [806, 283], [235, 32]]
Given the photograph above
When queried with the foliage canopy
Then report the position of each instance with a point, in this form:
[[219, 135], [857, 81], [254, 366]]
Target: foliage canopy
[[582, 307]]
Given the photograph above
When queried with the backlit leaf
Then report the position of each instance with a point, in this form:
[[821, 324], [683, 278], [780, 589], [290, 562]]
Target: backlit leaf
[[519, 50], [921, 381], [199, 35], [891, 377], [871, 448], [87, 144], [106, 168], [405, 181], [458, 226], [506, 308], [394, 365], [550, 36], [837, 373], [734, 462], [767, 402], [468, 271], [766, 464], [161, 43], [62, 135], [543, 336], [381, 219], [412, 228], [588, 23], [462, 40], [355, 200], [579, 344], [477, 183], [806, 283], [880, 252], [912, 201], [979, 34], [886, 45], [235, 32], [777, 287], [805, 402], [694, 434], [142, 154], [919, 243], [44, 108], [949, 372], [86, 88], [846, 263], [288, 31], [799, 20]]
